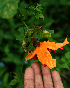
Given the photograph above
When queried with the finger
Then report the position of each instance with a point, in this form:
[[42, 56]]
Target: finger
[[57, 80], [29, 78], [38, 78], [46, 77]]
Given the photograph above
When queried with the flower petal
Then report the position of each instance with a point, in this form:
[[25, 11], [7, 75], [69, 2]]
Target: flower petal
[[43, 52]]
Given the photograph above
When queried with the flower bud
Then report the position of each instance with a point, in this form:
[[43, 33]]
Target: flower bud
[[35, 57], [61, 48], [54, 51], [45, 65], [49, 49]]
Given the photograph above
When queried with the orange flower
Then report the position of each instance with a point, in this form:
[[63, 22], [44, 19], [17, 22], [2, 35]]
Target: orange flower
[[44, 55]]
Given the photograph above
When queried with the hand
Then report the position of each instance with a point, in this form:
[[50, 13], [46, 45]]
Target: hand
[[33, 79]]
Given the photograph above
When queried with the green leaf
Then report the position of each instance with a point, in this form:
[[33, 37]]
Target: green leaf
[[40, 34], [6, 49], [50, 31], [2, 72], [24, 14], [38, 4], [29, 37], [5, 79], [14, 81], [37, 36], [47, 34], [30, 47], [21, 36], [20, 84], [37, 16], [38, 11], [12, 58], [65, 65], [25, 29], [63, 59], [66, 61], [41, 16], [67, 55], [21, 30], [8, 8], [66, 58]]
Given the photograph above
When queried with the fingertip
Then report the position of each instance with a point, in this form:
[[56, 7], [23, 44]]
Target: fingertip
[[54, 73], [34, 63], [29, 70]]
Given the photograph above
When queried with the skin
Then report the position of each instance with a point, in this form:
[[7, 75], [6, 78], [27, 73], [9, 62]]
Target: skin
[[33, 79]]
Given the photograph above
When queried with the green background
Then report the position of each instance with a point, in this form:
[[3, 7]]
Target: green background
[[56, 17]]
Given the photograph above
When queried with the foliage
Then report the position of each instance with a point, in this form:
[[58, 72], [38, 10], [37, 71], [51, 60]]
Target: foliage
[[55, 20], [66, 61], [8, 8], [36, 31]]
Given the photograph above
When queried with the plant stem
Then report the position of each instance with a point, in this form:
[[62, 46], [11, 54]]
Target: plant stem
[[25, 24]]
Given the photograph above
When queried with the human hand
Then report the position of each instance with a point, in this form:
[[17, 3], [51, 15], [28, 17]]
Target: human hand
[[33, 79]]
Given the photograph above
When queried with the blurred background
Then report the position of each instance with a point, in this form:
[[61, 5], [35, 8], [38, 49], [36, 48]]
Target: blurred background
[[56, 17]]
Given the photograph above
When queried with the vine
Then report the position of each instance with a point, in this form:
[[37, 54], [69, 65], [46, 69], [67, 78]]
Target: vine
[[30, 37]]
